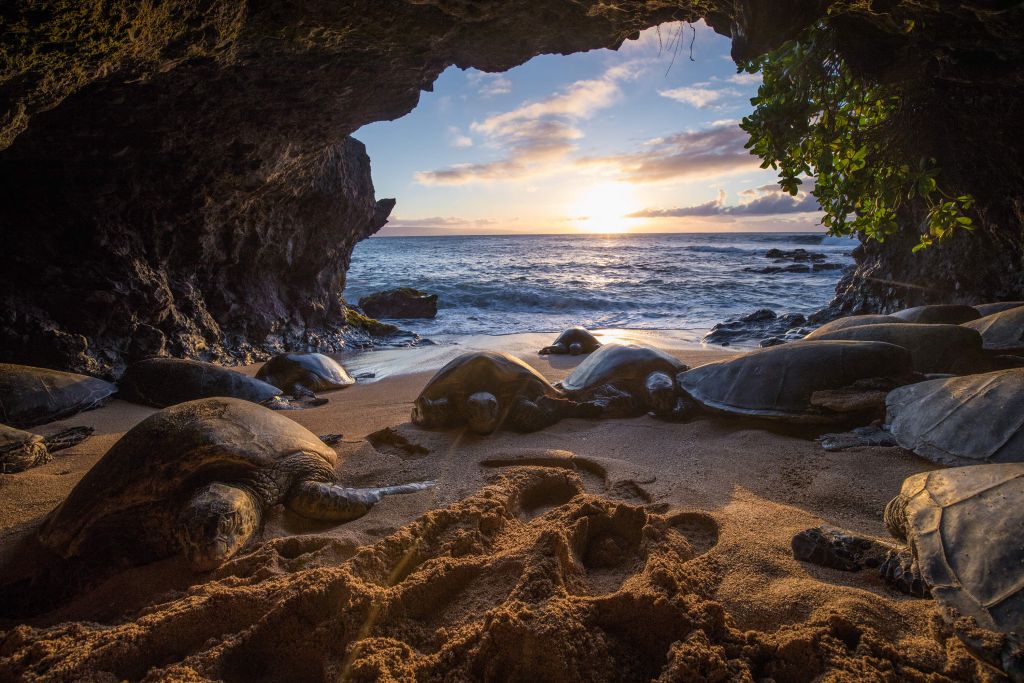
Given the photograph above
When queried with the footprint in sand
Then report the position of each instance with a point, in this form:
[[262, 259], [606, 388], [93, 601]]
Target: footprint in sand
[[390, 440]]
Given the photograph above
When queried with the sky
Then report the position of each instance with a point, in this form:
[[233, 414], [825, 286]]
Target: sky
[[643, 139]]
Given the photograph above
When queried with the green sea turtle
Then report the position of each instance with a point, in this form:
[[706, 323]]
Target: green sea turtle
[[948, 314], [935, 348], [1001, 332], [30, 396], [853, 321], [996, 307], [20, 450], [489, 390], [628, 379], [301, 374], [162, 382], [197, 478], [574, 341], [805, 381], [962, 528]]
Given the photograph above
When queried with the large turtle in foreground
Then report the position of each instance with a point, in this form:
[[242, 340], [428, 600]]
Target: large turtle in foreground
[[963, 529], [301, 373], [489, 390], [574, 341], [934, 348], [628, 379], [162, 382], [803, 382], [31, 396], [196, 478], [853, 321], [1001, 332], [938, 314]]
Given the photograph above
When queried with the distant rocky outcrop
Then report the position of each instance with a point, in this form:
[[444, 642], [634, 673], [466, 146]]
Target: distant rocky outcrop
[[755, 327], [404, 302], [794, 255]]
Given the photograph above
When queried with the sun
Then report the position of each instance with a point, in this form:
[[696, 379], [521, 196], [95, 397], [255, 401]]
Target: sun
[[604, 208]]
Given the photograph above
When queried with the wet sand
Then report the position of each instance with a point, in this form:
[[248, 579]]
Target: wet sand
[[593, 550]]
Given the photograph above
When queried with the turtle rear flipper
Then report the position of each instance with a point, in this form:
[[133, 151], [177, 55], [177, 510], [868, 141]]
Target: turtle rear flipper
[[901, 571], [333, 503], [67, 438]]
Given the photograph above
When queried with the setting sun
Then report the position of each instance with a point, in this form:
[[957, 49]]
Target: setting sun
[[604, 207]]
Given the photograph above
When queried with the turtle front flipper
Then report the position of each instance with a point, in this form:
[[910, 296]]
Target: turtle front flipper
[[67, 438], [333, 503], [901, 571], [830, 547], [532, 416], [216, 522]]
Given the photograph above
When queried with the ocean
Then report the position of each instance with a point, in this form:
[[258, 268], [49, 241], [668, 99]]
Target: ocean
[[685, 282]]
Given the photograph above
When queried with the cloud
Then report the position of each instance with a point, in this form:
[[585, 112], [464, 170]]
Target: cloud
[[457, 139], [745, 79], [702, 98], [489, 85], [767, 200], [437, 222]]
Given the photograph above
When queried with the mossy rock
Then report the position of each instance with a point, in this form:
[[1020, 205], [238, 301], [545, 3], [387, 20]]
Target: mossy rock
[[375, 327]]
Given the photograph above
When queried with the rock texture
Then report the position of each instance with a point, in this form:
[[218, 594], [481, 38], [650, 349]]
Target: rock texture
[[404, 302]]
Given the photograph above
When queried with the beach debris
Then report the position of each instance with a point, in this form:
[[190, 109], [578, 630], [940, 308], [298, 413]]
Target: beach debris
[[962, 529], [933, 348], [803, 382], [196, 478], [629, 379], [487, 391], [403, 302], [1001, 332], [162, 382], [31, 396], [21, 450], [574, 341], [949, 314], [304, 374]]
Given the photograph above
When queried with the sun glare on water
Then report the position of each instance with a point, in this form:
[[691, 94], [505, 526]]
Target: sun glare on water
[[603, 208]]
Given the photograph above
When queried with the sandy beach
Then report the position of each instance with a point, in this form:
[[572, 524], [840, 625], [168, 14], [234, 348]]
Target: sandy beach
[[593, 550]]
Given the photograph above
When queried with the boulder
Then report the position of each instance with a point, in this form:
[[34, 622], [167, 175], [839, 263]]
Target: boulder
[[404, 302]]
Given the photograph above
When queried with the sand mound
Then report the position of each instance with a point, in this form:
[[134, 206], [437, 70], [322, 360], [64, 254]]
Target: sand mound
[[530, 578]]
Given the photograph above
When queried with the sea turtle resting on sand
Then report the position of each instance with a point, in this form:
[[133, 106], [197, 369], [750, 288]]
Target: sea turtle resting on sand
[[30, 396], [628, 379], [1001, 332], [162, 382], [996, 307], [197, 478], [489, 390], [302, 374], [963, 529], [938, 314], [853, 321], [20, 450], [574, 341], [805, 381], [934, 348]]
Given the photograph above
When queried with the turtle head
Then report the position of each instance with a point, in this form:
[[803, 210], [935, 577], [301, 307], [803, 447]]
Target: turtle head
[[215, 523], [482, 413], [661, 393], [575, 348], [431, 412], [895, 517]]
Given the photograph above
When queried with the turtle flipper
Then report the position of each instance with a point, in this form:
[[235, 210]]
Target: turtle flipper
[[900, 570], [333, 503], [216, 522], [532, 416], [830, 547], [67, 438]]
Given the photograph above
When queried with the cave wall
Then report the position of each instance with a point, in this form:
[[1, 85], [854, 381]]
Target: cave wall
[[179, 177]]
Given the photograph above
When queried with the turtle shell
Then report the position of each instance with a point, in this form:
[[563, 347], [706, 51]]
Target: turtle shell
[[578, 335], [30, 396], [128, 501], [933, 348], [996, 307], [626, 366], [961, 420], [965, 527], [161, 382], [1003, 331], [315, 371], [945, 314], [778, 382], [853, 321], [500, 374]]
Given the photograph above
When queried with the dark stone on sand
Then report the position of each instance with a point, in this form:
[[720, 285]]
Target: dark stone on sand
[[404, 302], [756, 326]]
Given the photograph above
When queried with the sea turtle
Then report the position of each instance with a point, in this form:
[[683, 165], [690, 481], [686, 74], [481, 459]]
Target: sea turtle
[[805, 381], [574, 341], [20, 450], [489, 390], [853, 321], [934, 348], [162, 382], [948, 314], [996, 307], [962, 528], [628, 379], [301, 374], [197, 478], [30, 396], [1001, 332]]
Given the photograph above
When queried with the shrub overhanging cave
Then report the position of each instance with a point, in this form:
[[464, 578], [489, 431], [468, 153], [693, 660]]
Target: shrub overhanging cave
[[178, 177]]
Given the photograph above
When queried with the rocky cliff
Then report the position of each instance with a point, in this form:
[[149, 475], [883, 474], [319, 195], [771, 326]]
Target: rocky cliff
[[178, 176]]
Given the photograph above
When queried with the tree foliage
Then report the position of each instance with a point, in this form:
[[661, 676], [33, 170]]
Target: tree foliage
[[812, 117]]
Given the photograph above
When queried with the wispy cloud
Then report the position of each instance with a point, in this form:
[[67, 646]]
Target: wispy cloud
[[487, 84], [702, 98], [457, 139], [438, 222], [767, 200]]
